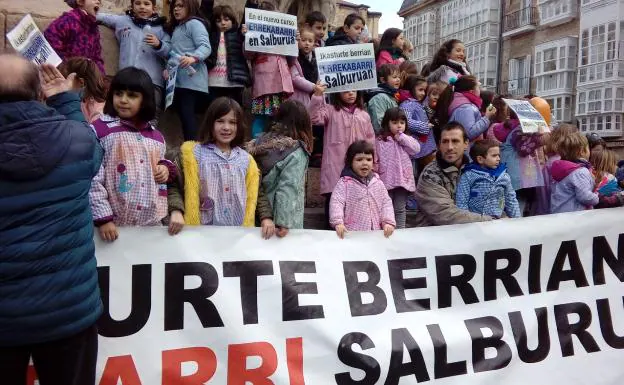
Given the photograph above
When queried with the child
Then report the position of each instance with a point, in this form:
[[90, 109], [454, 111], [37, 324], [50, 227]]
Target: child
[[460, 102], [551, 151], [272, 83], [604, 164], [190, 46], [229, 73], [131, 187], [406, 69], [349, 33], [143, 42], [304, 80], [418, 124], [485, 187], [519, 152], [360, 201], [317, 22], [394, 149], [408, 49], [76, 33], [89, 82], [282, 156], [386, 96], [391, 48], [573, 183], [220, 179], [448, 63], [345, 122]]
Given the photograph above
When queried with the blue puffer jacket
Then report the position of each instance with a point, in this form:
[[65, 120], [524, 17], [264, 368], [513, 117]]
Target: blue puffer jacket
[[48, 277]]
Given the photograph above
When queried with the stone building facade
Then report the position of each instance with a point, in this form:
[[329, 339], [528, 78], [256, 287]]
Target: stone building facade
[[344, 8]]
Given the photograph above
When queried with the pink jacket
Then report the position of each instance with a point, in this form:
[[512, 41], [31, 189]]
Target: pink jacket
[[394, 163], [271, 75], [386, 58], [342, 127], [359, 206], [303, 87]]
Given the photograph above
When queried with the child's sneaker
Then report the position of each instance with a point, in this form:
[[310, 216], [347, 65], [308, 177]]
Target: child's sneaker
[[411, 203]]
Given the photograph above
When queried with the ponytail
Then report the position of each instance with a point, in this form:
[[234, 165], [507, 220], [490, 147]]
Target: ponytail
[[463, 84]]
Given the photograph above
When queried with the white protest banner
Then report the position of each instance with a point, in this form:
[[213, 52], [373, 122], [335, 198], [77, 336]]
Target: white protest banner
[[171, 82], [271, 32], [347, 67], [535, 300], [530, 119], [28, 40]]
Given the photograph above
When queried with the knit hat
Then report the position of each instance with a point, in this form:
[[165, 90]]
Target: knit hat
[[72, 3]]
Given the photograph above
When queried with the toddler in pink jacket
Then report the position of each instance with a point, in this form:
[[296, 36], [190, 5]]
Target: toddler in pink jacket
[[394, 149], [360, 201]]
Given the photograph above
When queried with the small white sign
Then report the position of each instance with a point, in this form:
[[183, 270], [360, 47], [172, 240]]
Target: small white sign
[[271, 32], [28, 40], [531, 120], [347, 67], [170, 90]]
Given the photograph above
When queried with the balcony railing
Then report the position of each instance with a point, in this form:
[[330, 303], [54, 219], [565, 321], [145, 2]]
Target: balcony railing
[[520, 21], [515, 87]]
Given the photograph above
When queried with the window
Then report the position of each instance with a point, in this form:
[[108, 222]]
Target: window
[[556, 10], [594, 101], [555, 66], [561, 108], [519, 76], [598, 45]]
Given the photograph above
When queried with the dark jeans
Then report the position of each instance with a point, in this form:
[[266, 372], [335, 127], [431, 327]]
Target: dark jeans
[[69, 361], [235, 93], [185, 102]]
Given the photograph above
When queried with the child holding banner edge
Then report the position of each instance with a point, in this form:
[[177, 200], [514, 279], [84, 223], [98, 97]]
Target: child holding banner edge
[[220, 180], [345, 122]]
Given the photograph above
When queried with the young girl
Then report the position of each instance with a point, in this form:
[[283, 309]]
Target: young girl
[[228, 71], [131, 187], [345, 122], [76, 33], [220, 178], [282, 156], [604, 164], [394, 149], [573, 182], [418, 124], [143, 42], [304, 80], [190, 46], [272, 83], [520, 153], [360, 201], [89, 82], [449, 62], [551, 152], [349, 33], [460, 102], [391, 48]]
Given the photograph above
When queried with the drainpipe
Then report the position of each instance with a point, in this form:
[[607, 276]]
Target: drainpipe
[[499, 69]]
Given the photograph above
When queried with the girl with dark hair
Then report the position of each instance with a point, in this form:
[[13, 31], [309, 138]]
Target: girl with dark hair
[[131, 187], [360, 201], [89, 82], [228, 73], [449, 62], [461, 102], [349, 33], [190, 46], [220, 184], [345, 122], [394, 149], [391, 48], [282, 155]]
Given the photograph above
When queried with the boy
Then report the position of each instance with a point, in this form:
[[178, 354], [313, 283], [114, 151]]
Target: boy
[[317, 22], [485, 186], [385, 96]]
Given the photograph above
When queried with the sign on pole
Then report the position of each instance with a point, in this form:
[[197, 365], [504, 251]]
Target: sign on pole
[[27, 39], [347, 67], [271, 32]]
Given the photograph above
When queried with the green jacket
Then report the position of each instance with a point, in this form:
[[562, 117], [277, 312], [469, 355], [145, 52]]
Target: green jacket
[[283, 163], [377, 107]]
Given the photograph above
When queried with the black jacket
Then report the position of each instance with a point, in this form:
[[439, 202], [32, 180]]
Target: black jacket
[[339, 38], [237, 69]]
